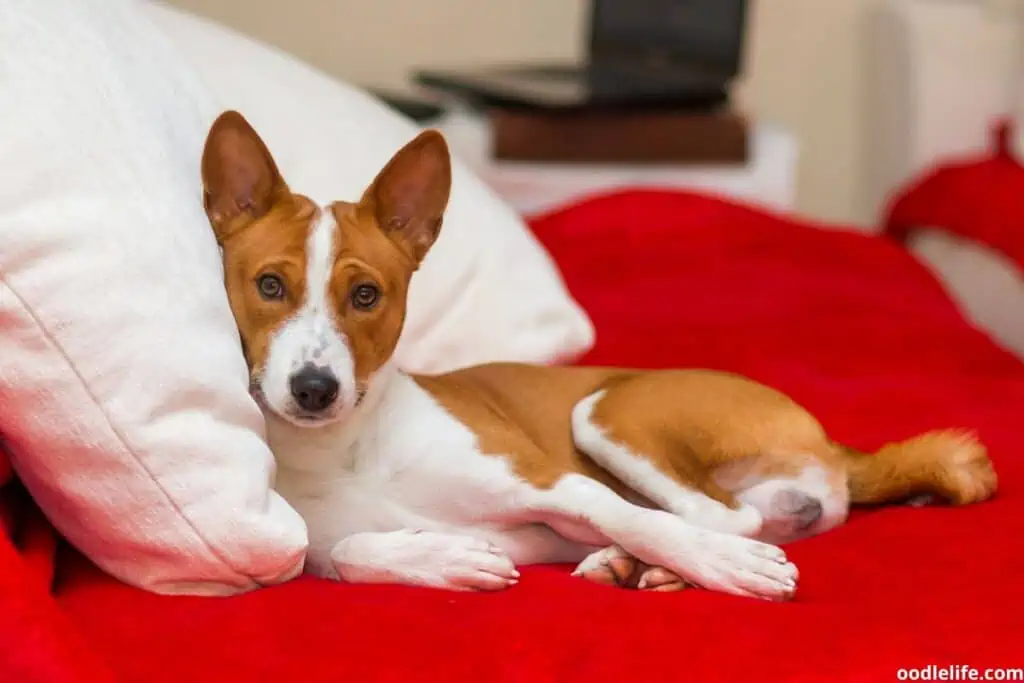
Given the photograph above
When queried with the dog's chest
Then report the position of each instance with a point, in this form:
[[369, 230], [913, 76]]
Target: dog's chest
[[406, 464]]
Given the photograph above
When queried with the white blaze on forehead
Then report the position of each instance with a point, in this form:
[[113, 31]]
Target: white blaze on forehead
[[311, 336], [321, 249]]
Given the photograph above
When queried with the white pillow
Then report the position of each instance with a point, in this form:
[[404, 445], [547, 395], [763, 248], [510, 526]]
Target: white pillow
[[123, 392], [487, 290]]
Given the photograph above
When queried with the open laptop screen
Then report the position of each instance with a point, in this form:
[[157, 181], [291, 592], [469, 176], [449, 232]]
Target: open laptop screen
[[708, 33]]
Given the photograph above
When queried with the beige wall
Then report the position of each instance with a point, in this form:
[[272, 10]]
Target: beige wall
[[804, 68]]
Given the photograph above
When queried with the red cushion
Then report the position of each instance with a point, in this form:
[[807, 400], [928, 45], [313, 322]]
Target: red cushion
[[851, 325]]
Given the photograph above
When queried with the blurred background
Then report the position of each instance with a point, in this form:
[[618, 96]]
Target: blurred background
[[841, 76]]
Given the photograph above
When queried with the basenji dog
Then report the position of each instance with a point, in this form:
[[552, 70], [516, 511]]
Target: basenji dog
[[652, 479]]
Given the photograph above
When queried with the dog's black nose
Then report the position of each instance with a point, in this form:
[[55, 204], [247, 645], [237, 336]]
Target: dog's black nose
[[313, 388]]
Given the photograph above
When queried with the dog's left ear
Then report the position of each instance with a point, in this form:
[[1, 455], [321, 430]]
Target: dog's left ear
[[409, 196]]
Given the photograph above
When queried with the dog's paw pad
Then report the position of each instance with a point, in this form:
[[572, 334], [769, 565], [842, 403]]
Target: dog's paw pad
[[661, 580], [610, 566]]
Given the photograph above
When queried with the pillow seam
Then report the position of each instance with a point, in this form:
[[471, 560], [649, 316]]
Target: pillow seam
[[118, 433]]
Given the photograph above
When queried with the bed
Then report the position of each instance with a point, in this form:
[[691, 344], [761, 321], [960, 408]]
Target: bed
[[856, 326], [852, 325]]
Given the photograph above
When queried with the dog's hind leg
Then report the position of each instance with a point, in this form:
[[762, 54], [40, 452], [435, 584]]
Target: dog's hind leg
[[643, 458]]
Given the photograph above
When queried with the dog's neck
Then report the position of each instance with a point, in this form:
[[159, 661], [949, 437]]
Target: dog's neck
[[314, 449]]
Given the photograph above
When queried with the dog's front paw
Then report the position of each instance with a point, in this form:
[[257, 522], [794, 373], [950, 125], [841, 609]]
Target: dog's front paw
[[424, 558], [723, 562], [743, 567]]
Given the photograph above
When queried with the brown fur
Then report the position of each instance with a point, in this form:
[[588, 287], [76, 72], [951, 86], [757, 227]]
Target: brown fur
[[951, 466], [706, 429]]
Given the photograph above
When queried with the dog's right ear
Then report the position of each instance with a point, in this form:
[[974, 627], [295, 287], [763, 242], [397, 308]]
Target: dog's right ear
[[240, 177]]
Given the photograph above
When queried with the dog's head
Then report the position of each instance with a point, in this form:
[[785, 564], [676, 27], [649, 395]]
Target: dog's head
[[319, 292]]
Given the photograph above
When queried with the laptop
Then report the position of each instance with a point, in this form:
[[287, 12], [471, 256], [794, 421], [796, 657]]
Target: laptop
[[641, 53]]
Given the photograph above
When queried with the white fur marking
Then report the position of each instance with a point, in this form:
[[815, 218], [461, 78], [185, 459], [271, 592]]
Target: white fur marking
[[642, 476], [812, 481], [310, 336]]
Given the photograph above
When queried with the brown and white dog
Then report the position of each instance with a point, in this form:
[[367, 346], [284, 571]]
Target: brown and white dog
[[651, 479]]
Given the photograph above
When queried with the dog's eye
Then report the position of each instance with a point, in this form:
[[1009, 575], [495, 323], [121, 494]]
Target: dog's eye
[[365, 296], [270, 287]]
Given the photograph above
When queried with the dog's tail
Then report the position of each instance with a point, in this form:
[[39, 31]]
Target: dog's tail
[[951, 466]]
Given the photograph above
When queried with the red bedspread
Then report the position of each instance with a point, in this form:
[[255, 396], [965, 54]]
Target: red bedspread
[[850, 325]]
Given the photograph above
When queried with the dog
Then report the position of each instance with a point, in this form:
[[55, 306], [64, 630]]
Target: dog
[[652, 479]]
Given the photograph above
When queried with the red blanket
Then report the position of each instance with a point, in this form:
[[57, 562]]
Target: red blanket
[[850, 325]]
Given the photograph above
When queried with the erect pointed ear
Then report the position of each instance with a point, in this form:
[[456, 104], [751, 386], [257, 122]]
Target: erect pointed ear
[[239, 175], [409, 195]]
